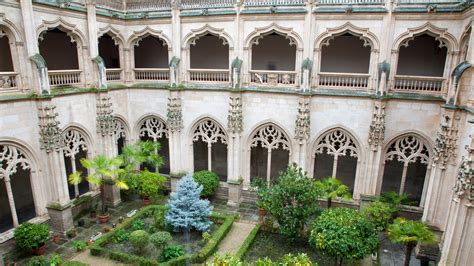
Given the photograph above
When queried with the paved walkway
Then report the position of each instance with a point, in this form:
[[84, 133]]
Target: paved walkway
[[234, 239], [87, 258]]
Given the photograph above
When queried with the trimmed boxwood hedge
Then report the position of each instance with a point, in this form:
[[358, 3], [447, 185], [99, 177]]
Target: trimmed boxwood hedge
[[98, 249], [247, 243]]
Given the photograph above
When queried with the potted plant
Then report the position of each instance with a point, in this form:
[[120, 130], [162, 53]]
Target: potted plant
[[104, 171], [209, 182], [32, 237], [150, 184], [93, 211], [259, 185]]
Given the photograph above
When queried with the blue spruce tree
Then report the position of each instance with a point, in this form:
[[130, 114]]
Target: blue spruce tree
[[186, 210]]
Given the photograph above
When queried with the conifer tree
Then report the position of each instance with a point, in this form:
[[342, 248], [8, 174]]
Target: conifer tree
[[186, 210]]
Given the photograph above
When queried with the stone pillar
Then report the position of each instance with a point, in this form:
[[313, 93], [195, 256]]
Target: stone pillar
[[105, 130], [458, 246], [370, 184], [175, 126], [52, 142], [234, 170], [444, 152], [302, 131]]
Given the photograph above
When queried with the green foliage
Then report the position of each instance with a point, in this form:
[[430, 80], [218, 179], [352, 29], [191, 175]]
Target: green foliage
[[206, 237], [258, 183], [287, 260], [395, 200], [209, 181], [79, 245], [332, 188], [142, 152], [171, 252], [139, 240], [248, 242], [405, 232], [138, 224], [28, 235], [217, 237], [55, 260], [226, 260], [291, 200], [74, 263], [150, 183], [344, 234], [379, 214], [38, 261], [160, 239], [159, 218], [121, 235]]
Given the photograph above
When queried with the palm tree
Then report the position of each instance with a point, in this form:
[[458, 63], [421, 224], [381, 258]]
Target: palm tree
[[409, 233], [142, 152], [104, 171], [332, 188]]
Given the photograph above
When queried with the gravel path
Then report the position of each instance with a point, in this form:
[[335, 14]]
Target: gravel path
[[234, 239], [86, 257]]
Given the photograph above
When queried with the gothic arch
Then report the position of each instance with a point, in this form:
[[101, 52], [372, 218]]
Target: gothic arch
[[71, 30], [442, 35], [328, 137], [77, 137], [215, 125], [259, 33], [265, 130], [369, 38], [11, 29], [121, 127], [408, 147], [195, 34], [464, 42], [112, 32], [25, 149], [152, 125], [137, 36]]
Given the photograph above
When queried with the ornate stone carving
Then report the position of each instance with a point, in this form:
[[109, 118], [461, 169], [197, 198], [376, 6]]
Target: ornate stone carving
[[50, 133], [270, 137], [464, 185], [377, 127], [119, 129], [210, 132], [74, 143], [235, 116], [174, 115], [153, 128], [446, 138], [337, 143], [408, 149], [105, 120], [303, 120], [10, 159]]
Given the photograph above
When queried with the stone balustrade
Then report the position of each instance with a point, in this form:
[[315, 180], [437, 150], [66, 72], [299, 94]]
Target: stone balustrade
[[147, 5], [64, 77], [350, 2], [188, 4], [113, 74], [342, 80], [111, 4], [273, 2], [427, 2], [419, 84], [208, 75], [8, 81], [273, 78], [152, 74]]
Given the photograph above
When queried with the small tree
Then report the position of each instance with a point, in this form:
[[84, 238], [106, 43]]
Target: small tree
[[332, 188], [160, 239], [139, 240], [409, 233], [209, 181], [186, 210], [379, 214], [150, 183], [291, 200], [104, 171], [344, 234]]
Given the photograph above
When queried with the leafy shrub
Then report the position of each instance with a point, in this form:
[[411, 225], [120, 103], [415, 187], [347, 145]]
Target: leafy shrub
[[79, 245], [206, 237], [171, 252], [344, 234], [139, 240], [159, 218], [138, 224], [209, 181], [298, 259], [150, 183], [160, 239], [28, 235], [55, 260], [38, 261], [226, 260], [121, 235], [395, 200], [379, 214]]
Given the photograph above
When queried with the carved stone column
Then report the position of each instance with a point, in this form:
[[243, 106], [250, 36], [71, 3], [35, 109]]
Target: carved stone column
[[106, 131], [444, 153], [458, 246], [376, 138], [52, 143], [234, 128], [302, 131], [175, 124]]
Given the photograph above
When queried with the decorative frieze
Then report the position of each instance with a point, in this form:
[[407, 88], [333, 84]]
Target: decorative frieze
[[235, 116], [446, 138], [464, 186], [377, 127], [105, 119], [174, 115], [153, 128], [50, 133], [303, 120]]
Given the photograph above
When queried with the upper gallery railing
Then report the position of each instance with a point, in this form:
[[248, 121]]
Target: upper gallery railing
[[419, 84], [273, 2], [350, 2], [272, 78], [208, 75], [426, 2], [342, 80], [8, 81], [188, 4], [113, 74], [64, 77]]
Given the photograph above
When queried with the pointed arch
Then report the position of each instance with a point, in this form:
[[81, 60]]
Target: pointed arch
[[442, 35], [71, 30], [137, 36], [122, 128], [195, 34], [112, 32], [152, 126], [208, 129], [287, 32], [369, 38], [11, 29]]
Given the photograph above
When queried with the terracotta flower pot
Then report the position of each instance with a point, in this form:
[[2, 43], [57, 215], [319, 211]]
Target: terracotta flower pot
[[39, 251], [93, 214], [262, 212], [146, 201], [56, 239], [104, 218]]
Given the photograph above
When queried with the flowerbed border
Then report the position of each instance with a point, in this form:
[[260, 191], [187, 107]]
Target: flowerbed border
[[98, 249], [248, 242]]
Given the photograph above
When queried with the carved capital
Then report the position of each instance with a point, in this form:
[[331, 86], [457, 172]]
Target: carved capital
[[235, 117], [303, 121], [50, 133], [445, 144], [174, 115], [377, 126], [105, 119]]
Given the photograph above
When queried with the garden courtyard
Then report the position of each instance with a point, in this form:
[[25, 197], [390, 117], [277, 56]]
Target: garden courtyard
[[294, 220]]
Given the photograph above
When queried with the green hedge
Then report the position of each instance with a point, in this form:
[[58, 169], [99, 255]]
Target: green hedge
[[247, 243], [97, 248]]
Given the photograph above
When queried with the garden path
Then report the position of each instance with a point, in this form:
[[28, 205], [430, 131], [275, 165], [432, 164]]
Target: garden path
[[86, 257], [236, 236]]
